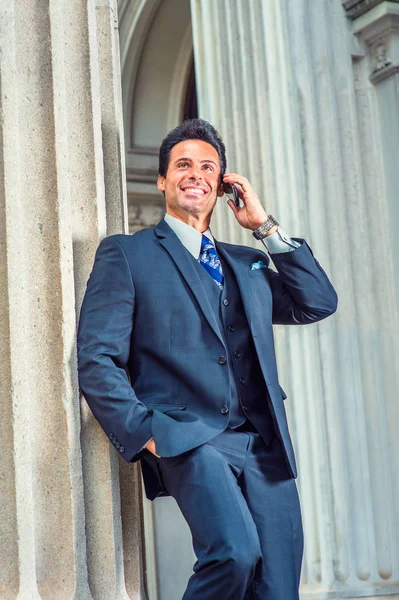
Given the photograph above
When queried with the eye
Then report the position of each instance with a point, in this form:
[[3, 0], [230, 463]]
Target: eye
[[182, 164], [208, 167]]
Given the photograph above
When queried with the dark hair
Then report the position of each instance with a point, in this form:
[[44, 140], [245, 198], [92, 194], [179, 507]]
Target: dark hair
[[192, 129]]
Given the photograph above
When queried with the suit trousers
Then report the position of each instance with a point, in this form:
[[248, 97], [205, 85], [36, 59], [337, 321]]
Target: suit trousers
[[243, 511]]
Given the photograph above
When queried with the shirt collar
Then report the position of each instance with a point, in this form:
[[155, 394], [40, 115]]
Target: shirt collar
[[190, 238]]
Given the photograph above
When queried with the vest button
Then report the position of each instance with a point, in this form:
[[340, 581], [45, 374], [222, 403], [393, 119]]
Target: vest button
[[224, 410], [226, 302], [231, 328], [222, 360], [242, 380], [237, 354]]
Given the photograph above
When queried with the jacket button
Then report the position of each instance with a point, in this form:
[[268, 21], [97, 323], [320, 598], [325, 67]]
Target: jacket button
[[224, 410], [222, 360], [226, 302], [118, 445], [242, 381], [231, 328], [237, 354], [122, 449]]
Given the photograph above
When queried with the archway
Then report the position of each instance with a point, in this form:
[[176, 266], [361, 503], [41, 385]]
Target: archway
[[158, 93], [158, 90]]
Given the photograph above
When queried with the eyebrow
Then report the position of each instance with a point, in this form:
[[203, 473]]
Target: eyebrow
[[206, 160]]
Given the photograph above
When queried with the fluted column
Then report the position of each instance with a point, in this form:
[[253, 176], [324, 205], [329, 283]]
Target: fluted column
[[61, 189], [286, 85]]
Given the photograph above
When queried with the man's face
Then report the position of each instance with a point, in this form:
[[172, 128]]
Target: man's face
[[191, 184]]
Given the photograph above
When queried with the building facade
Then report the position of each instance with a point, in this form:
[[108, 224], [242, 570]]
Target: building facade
[[306, 97]]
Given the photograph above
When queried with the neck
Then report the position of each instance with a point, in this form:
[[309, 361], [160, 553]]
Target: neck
[[197, 221]]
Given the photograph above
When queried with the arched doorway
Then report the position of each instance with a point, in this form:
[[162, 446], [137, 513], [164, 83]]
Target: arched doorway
[[158, 89], [159, 92]]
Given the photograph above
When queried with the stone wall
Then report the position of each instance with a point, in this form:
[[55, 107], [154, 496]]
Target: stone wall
[[62, 188], [307, 102]]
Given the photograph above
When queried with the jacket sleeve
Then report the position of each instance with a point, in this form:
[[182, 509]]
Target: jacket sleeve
[[105, 327], [301, 290]]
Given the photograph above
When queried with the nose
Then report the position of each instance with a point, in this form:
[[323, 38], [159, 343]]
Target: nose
[[195, 173]]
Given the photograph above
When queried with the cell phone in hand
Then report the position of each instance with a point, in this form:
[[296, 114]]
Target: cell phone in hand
[[231, 190]]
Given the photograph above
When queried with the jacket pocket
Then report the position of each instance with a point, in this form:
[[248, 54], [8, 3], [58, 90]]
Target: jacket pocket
[[258, 272]]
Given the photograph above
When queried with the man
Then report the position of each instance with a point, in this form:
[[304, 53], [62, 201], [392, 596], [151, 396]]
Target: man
[[176, 360]]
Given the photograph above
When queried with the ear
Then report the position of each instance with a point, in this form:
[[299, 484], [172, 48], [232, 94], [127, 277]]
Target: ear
[[161, 183], [220, 191]]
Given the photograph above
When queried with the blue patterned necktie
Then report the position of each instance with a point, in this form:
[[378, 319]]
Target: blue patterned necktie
[[209, 259]]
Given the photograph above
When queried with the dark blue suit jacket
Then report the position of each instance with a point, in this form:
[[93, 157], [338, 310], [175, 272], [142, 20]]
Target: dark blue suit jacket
[[149, 343]]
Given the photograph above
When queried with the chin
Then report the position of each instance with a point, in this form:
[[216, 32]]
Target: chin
[[192, 207], [192, 210]]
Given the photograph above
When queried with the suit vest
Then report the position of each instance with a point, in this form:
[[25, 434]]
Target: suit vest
[[248, 392]]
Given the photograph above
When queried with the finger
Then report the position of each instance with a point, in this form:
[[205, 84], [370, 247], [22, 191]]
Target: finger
[[239, 189], [240, 192], [236, 178], [233, 207], [235, 175], [242, 188]]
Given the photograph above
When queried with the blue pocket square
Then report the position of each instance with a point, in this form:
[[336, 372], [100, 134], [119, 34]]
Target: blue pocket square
[[258, 265]]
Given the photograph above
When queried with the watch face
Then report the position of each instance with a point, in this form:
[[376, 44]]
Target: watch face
[[261, 232]]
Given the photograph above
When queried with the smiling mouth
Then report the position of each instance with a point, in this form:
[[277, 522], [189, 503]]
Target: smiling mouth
[[193, 190]]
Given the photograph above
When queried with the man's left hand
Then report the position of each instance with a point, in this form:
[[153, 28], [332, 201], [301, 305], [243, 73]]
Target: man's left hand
[[252, 215]]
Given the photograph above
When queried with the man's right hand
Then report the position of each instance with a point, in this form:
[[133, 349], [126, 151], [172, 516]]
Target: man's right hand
[[151, 447]]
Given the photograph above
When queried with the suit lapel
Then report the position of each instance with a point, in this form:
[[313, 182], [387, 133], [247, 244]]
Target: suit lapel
[[180, 256], [240, 270]]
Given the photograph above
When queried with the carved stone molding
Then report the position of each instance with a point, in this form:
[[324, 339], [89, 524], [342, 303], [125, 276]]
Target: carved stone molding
[[383, 66], [378, 30], [355, 8]]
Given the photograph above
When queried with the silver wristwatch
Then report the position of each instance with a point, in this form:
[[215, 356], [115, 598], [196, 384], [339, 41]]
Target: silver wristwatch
[[264, 229]]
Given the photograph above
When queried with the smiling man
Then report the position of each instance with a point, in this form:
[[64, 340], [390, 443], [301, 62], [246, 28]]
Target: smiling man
[[192, 181], [176, 360]]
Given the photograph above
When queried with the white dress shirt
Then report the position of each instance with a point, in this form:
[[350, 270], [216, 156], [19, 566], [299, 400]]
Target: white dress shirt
[[191, 238]]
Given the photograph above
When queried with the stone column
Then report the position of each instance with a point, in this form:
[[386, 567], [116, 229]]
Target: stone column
[[377, 31], [61, 189], [287, 85]]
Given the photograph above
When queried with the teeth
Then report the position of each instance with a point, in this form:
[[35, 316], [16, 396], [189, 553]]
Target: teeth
[[195, 190]]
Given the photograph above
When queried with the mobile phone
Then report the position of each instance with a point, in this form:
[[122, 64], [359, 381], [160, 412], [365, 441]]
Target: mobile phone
[[231, 190]]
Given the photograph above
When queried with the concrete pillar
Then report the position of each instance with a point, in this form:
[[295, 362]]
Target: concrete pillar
[[287, 85], [61, 189]]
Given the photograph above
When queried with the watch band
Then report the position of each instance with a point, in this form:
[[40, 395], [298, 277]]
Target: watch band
[[264, 229]]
